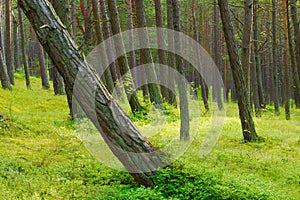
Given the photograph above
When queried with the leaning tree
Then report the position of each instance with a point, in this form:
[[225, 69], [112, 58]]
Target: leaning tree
[[136, 153]]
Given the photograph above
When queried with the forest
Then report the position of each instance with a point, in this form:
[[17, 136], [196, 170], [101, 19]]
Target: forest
[[142, 99]]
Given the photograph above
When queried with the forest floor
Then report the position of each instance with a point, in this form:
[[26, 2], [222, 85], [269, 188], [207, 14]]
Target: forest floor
[[41, 156]]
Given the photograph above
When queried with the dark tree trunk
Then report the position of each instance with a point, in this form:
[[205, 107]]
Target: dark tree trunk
[[106, 75], [274, 59], [73, 18], [43, 68], [161, 54], [171, 96], [286, 63], [247, 122], [257, 58], [145, 54], [8, 41], [138, 156], [296, 83], [16, 45], [295, 19], [182, 87], [122, 60], [5, 82], [24, 61]]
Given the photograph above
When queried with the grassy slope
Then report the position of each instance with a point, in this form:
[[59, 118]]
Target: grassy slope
[[41, 157]]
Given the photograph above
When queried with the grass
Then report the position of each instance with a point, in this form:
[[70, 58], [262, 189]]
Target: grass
[[41, 157]]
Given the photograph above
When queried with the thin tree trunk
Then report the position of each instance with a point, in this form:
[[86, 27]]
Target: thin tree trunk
[[286, 62], [137, 154], [182, 87], [43, 70], [122, 60], [24, 61], [247, 122], [16, 44], [8, 40], [171, 96], [145, 54], [296, 83], [73, 18], [295, 19]]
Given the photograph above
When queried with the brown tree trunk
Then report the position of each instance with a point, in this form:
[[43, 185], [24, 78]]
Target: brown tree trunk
[[295, 19], [247, 122], [182, 87], [43, 68], [16, 45], [122, 60], [73, 18], [24, 61], [136, 153], [145, 54], [296, 83], [286, 63], [8, 40], [274, 59]]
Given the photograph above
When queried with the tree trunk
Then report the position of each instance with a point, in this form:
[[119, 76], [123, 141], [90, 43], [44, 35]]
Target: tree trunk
[[8, 40], [145, 54], [122, 60], [286, 63], [43, 68], [247, 122], [171, 96], [296, 83], [24, 61], [274, 59], [5, 82], [16, 45], [73, 18], [295, 19], [182, 87], [136, 153], [257, 58]]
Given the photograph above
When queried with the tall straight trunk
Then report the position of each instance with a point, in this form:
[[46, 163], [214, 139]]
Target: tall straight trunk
[[131, 60], [246, 42], [161, 54], [217, 55], [43, 68], [5, 82], [145, 54], [286, 62], [8, 40], [24, 61], [109, 49], [107, 75], [73, 18], [274, 58], [296, 83], [122, 60], [257, 58], [182, 87], [171, 96], [137, 154], [87, 25], [197, 38], [247, 122], [16, 45], [295, 19]]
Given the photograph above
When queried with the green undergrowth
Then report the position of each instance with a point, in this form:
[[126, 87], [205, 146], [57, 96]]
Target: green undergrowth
[[41, 157]]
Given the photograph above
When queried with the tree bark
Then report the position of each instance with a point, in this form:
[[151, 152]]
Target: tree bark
[[295, 19], [24, 61], [286, 63], [145, 54], [122, 60], [8, 40], [296, 83], [274, 59], [136, 153], [247, 122], [16, 44], [182, 87], [43, 68]]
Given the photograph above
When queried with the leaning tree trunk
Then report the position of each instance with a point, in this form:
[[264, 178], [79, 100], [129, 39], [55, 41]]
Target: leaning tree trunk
[[136, 153], [247, 122]]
